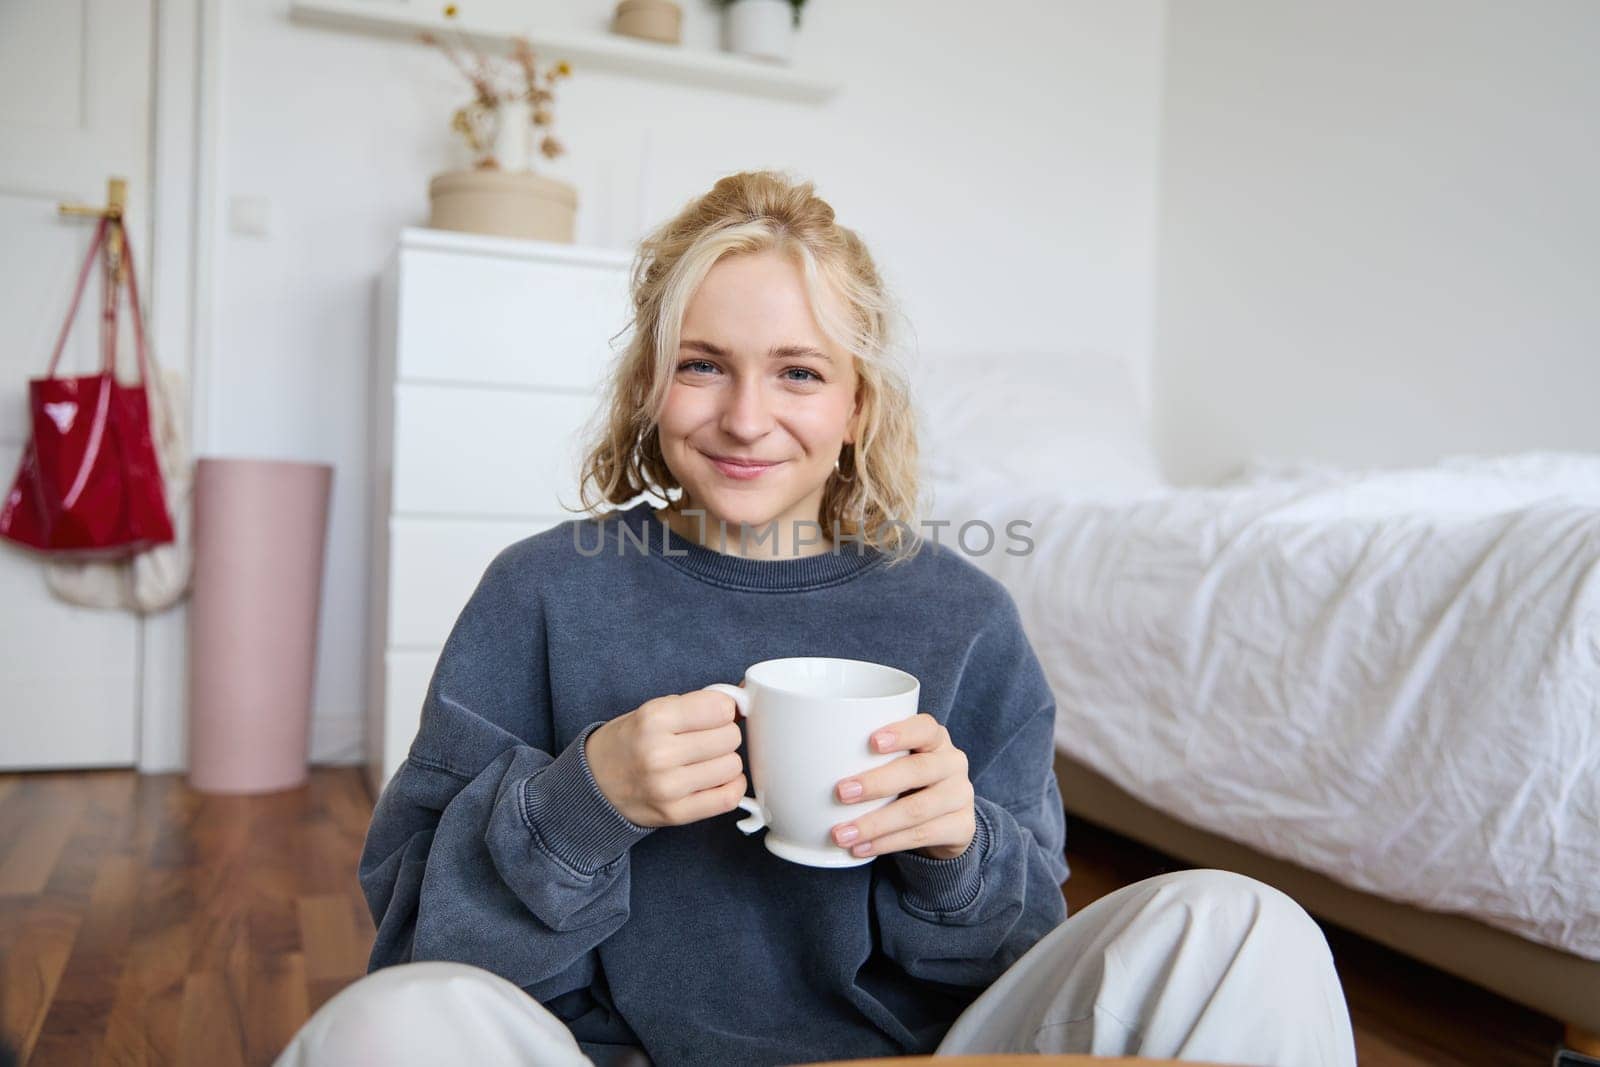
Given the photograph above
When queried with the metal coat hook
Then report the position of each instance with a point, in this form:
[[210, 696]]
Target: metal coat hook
[[116, 205]]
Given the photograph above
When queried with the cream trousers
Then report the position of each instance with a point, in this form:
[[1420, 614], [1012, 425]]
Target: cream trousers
[[1196, 965]]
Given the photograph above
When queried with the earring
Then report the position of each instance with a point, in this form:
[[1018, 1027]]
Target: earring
[[838, 468]]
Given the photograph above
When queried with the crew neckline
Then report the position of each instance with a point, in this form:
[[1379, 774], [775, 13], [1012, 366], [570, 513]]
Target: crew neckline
[[839, 564]]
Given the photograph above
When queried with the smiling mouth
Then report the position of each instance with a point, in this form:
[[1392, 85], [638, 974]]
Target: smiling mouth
[[738, 468]]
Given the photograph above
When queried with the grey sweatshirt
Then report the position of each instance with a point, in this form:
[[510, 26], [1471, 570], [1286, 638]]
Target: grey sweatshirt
[[493, 846]]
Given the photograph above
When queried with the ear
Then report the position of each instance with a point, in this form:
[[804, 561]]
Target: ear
[[853, 426]]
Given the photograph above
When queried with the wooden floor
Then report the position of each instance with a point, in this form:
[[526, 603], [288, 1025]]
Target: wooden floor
[[141, 923]]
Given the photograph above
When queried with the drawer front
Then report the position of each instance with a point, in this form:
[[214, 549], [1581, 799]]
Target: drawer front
[[487, 453], [435, 564], [516, 322]]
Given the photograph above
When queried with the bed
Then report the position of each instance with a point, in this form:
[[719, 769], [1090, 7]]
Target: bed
[[1377, 689]]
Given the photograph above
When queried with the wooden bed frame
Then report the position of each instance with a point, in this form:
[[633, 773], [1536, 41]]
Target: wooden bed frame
[[1544, 978]]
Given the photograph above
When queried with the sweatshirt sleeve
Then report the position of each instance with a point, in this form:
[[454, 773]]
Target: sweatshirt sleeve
[[964, 920], [492, 845]]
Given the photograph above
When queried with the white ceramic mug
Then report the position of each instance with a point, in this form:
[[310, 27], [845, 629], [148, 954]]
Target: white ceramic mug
[[808, 723]]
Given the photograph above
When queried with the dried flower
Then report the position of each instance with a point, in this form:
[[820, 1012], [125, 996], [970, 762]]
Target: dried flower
[[492, 88]]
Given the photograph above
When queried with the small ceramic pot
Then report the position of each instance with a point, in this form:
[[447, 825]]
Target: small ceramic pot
[[513, 135], [761, 29]]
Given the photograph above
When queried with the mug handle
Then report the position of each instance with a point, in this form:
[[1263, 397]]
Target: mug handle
[[741, 700]]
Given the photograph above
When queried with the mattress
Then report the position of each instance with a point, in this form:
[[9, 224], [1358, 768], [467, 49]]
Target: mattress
[[1390, 677]]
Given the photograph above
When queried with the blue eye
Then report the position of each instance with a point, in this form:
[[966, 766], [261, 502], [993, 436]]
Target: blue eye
[[687, 364], [812, 375]]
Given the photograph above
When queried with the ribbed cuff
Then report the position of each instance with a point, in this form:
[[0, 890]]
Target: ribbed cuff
[[569, 816], [947, 885]]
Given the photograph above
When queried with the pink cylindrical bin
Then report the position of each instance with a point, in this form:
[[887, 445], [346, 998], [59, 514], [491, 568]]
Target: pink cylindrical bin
[[260, 527]]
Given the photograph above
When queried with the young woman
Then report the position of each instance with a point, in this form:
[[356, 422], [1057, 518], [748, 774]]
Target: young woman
[[554, 872]]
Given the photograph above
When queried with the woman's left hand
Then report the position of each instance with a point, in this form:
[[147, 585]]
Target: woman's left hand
[[934, 816]]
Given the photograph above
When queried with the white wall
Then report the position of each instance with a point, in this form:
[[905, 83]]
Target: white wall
[[999, 158], [1379, 231]]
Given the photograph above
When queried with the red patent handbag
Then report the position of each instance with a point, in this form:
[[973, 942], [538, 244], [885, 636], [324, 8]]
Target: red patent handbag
[[89, 483]]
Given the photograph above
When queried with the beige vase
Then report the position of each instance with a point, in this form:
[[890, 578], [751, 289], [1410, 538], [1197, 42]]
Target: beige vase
[[504, 203]]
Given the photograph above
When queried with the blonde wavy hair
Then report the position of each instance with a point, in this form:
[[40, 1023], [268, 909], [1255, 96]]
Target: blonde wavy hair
[[872, 494]]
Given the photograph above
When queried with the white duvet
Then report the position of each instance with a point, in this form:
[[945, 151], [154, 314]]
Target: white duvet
[[1389, 677]]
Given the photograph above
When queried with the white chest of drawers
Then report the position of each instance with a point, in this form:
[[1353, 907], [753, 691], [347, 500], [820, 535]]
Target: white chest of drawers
[[491, 353]]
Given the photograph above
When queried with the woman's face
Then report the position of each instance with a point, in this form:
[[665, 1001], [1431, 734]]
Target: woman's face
[[760, 403]]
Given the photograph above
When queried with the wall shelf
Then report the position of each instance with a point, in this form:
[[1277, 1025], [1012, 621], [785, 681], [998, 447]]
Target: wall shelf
[[586, 51]]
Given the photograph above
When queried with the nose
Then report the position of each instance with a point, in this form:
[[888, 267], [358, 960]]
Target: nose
[[747, 412]]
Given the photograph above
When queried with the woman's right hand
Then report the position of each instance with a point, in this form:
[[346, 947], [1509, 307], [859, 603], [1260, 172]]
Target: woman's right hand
[[672, 760]]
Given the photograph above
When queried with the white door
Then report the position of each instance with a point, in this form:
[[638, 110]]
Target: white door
[[74, 110]]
